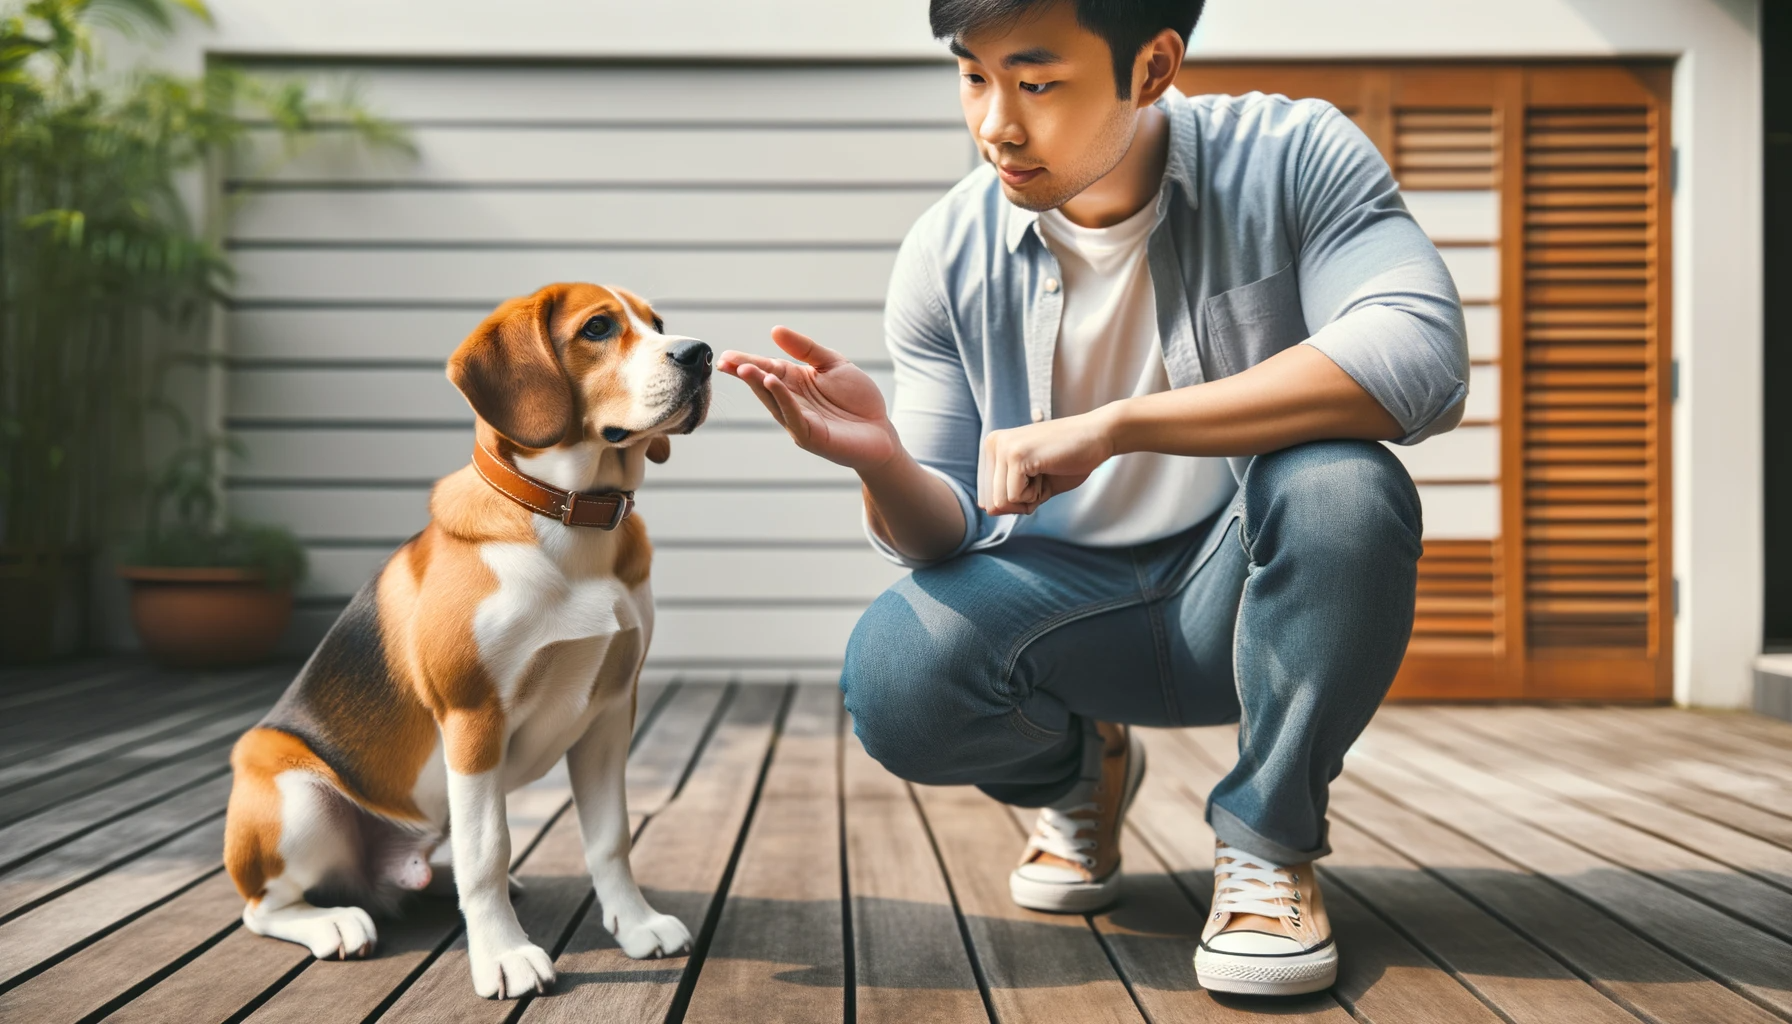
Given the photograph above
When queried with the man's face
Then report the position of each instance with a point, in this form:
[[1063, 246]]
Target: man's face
[[1040, 100]]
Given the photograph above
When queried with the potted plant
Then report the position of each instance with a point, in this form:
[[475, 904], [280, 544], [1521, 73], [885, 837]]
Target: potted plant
[[105, 282], [207, 592]]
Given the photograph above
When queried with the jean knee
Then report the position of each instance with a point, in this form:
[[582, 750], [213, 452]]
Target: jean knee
[[1351, 497], [896, 680]]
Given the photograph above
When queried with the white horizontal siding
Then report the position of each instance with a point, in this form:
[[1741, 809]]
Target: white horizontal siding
[[1461, 511], [1468, 453], [1468, 216], [335, 394], [555, 216], [683, 94], [425, 337], [462, 276], [1476, 270], [709, 155], [381, 456]]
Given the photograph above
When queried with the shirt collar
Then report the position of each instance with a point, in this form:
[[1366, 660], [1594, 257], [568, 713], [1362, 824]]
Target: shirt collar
[[1179, 168]]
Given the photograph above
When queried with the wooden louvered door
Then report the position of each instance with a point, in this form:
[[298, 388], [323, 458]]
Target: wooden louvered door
[[1546, 570]]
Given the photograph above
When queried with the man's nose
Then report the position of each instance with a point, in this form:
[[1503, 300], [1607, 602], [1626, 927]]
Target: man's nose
[[998, 126], [692, 355]]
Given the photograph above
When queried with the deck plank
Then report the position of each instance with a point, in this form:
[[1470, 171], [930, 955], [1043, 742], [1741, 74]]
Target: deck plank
[[146, 721], [108, 971], [1382, 977], [41, 933], [1692, 760], [779, 944], [1767, 907], [680, 859], [1747, 960], [1540, 732], [1766, 861], [910, 961], [1039, 967], [218, 730], [1633, 971], [101, 849], [66, 822]]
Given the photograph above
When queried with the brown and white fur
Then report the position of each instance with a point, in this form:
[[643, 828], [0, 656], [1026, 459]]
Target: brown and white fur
[[490, 645]]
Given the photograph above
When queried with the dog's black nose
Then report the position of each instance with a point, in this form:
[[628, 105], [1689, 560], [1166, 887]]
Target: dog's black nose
[[692, 355]]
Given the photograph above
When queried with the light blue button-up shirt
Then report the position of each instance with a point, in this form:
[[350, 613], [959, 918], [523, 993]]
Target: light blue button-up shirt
[[1278, 224]]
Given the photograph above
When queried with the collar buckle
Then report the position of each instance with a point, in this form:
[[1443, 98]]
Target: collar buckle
[[624, 504]]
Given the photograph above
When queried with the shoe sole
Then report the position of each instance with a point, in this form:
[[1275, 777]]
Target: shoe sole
[[1265, 975], [1084, 897]]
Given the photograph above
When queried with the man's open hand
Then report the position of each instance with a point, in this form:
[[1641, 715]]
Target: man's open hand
[[828, 405], [1020, 468]]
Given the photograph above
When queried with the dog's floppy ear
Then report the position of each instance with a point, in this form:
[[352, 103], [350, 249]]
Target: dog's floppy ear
[[659, 448], [510, 376]]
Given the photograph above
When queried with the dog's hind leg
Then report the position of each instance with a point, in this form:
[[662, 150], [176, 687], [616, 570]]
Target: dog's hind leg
[[288, 832]]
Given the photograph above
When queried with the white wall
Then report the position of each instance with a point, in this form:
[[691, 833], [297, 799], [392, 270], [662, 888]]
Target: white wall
[[1717, 224]]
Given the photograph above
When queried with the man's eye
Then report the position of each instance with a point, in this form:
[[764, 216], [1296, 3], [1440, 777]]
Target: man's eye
[[1036, 87], [598, 328], [973, 79]]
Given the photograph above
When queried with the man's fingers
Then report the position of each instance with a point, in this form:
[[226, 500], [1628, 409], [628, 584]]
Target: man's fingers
[[732, 362], [986, 473], [791, 413], [755, 379], [804, 348], [1020, 486]]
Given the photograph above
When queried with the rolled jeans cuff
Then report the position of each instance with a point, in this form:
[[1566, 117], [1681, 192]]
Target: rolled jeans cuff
[[1232, 831]]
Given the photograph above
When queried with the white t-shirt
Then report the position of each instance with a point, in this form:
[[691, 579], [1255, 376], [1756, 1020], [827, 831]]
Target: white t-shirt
[[1108, 349]]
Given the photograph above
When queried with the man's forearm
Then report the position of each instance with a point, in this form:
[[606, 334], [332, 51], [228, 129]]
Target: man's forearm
[[911, 509], [1294, 396]]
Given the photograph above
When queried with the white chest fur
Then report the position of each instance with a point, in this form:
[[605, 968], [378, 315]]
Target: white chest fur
[[560, 639]]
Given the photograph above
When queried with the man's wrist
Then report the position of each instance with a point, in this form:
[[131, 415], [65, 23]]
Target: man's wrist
[[1119, 423], [875, 472]]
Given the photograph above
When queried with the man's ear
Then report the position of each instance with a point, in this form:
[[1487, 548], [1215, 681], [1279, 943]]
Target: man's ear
[[659, 448], [510, 375]]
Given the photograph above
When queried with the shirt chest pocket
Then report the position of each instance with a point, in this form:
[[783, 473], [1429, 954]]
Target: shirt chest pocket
[[1252, 322]]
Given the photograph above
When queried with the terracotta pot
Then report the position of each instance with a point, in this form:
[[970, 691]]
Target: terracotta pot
[[206, 618]]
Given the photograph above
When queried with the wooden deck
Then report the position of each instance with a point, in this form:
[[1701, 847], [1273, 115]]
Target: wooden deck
[[1515, 864]]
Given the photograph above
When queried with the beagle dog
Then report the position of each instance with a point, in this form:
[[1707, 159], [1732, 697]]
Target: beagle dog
[[510, 632]]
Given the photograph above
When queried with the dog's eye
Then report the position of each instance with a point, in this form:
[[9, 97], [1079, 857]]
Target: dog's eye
[[659, 326], [598, 328]]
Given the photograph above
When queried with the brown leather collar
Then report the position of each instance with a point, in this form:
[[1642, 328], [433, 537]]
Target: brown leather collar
[[604, 510]]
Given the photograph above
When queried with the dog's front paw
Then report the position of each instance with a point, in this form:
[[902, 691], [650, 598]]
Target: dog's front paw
[[655, 935], [509, 973]]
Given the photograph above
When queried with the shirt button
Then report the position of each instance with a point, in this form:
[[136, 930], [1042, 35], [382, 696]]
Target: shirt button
[[1051, 284], [1038, 414]]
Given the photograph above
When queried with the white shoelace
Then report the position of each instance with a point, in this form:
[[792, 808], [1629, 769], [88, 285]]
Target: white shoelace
[[1234, 892], [1056, 834]]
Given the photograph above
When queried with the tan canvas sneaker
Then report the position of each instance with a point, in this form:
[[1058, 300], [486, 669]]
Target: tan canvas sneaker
[[1268, 934], [1072, 861]]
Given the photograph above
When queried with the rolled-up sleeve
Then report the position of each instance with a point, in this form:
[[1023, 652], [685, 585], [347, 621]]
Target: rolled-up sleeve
[[933, 409], [1377, 296]]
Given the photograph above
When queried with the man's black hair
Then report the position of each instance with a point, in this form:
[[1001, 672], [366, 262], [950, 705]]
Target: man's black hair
[[1127, 25]]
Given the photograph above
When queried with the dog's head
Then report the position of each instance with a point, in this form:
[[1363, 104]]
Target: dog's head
[[578, 362]]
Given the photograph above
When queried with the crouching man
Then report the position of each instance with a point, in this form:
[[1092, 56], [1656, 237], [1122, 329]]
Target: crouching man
[[1144, 359]]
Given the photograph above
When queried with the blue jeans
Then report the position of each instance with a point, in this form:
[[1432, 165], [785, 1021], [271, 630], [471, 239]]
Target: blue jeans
[[1288, 613]]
